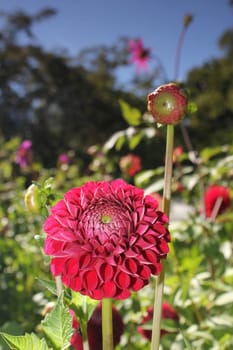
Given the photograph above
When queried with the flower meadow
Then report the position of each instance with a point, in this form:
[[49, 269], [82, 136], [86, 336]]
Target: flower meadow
[[118, 253], [82, 252]]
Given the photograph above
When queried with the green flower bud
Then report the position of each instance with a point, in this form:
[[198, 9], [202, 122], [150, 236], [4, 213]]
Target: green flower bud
[[32, 199]]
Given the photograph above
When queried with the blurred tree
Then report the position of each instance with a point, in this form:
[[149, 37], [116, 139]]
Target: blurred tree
[[212, 90], [56, 101]]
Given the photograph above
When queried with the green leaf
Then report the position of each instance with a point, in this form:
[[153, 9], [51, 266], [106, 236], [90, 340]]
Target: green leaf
[[83, 307], [57, 326], [192, 107], [225, 298], [131, 115], [25, 342], [9, 328], [50, 285], [135, 140]]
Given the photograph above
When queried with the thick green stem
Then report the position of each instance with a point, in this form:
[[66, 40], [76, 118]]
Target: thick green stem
[[158, 299], [107, 331]]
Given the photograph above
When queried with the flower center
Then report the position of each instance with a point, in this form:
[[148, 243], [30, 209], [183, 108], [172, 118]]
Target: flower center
[[106, 219], [106, 222], [165, 103]]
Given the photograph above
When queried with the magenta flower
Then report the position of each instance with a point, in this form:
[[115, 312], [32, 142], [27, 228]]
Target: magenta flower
[[217, 193], [139, 54], [24, 154], [106, 239], [63, 159]]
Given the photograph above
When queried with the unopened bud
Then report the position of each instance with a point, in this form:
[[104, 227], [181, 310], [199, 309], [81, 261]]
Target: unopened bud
[[167, 104], [32, 200]]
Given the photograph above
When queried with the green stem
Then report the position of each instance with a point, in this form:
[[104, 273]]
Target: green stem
[[85, 345], [107, 331], [58, 285], [158, 299]]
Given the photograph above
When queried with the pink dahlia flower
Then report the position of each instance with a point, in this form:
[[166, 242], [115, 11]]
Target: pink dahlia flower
[[217, 193], [24, 154], [168, 312], [94, 329], [130, 164], [139, 54], [106, 239]]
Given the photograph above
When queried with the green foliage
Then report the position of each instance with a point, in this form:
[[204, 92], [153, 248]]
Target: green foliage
[[83, 307], [26, 342], [57, 326], [131, 115]]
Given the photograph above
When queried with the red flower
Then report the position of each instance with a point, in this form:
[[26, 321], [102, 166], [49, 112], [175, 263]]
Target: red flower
[[94, 330], [106, 239], [130, 164], [177, 152], [139, 54], [167, 313], [167, 104], [217, 193]]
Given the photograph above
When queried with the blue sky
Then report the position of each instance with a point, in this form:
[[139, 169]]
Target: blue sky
[[81, 24]]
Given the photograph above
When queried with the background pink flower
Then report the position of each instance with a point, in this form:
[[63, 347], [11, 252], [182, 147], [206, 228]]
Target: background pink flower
[[94, 330], [168, 312], [106, 239], [24, 154], [130, 164], [214, 193], [63, 159], [139, 54]]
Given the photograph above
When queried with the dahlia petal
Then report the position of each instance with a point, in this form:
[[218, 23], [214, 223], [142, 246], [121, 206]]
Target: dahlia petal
[[84, 260], [97, 294], [151, 256], [106, 272], [138, 284], [90, 279], [131, 265], [75, 283], [109, 289], [72, 208], [142, 228], [51, 246], [57, 266], [132, 253], [145, 272], [144, 244], [163, 246], [160, 228], [123, 280], [71, 266], [122, 294]]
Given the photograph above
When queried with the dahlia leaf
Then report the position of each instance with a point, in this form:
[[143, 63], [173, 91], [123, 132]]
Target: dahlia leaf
[[50, 285], [135, 140], [84, 305], [57, 326], [131, 115], [25, 342], [120, 142]]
